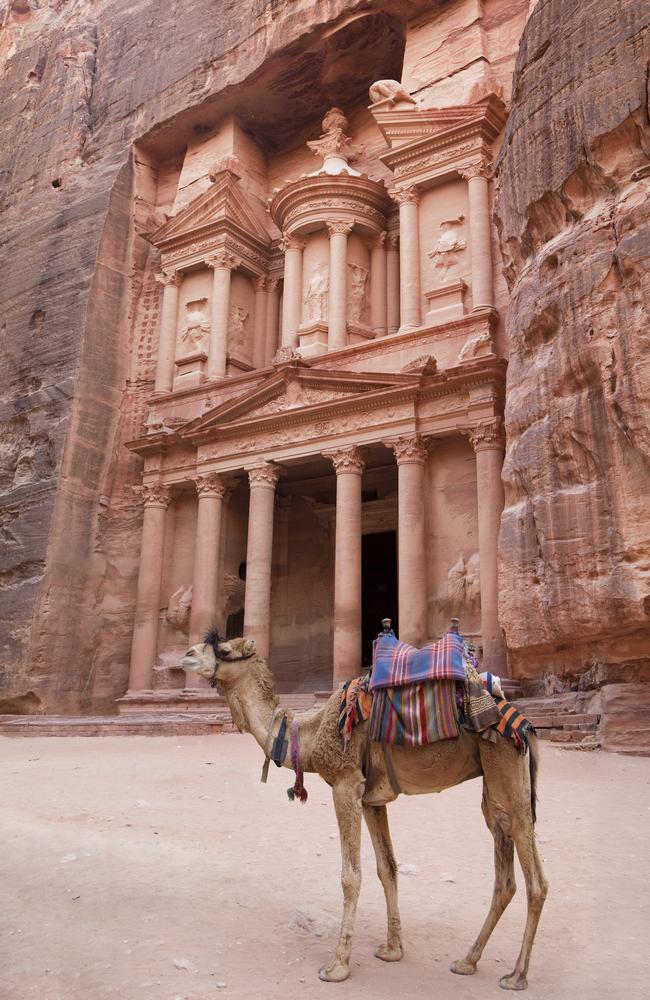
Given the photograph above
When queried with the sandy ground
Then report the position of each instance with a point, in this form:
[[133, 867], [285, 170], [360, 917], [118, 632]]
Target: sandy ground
[[161, 869]]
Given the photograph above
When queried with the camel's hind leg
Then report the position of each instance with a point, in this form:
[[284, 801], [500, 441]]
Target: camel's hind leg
[[523, 833], [376, 818], [504, 889], [347, 794]]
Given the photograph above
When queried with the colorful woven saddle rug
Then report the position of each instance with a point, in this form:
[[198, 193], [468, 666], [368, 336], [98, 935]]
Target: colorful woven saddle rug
[[415, 714], [396, 663]]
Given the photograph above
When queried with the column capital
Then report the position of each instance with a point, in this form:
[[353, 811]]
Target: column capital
[[272, 284], [154, 494], [488, 436], [405, 195], [289, 242], [346, 460], [378, 241], [393, 241], [223, 259], [264, 476], [169, 278], [261, 283], [211, 485], [478, 168], [339, 228], [409, 450]]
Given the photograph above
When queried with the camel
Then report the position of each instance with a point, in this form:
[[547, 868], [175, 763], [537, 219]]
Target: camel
[[359, 774]]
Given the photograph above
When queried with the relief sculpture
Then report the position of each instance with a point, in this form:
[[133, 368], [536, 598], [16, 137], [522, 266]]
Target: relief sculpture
[[316, 295], [196, 325], [447, 252], [237, 338], [357, 304], [179, 608], [463, 584]]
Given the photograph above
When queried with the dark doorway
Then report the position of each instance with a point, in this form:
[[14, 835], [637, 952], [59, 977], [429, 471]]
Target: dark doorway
[[378, 588]]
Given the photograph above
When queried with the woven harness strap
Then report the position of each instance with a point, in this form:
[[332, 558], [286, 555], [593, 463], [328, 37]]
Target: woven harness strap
[[267, 758]]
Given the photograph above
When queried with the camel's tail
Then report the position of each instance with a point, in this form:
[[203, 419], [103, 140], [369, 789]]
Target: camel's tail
[[533, 750]]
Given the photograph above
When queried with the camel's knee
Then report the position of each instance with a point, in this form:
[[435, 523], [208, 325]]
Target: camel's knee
[[350, 883], [387, 871]]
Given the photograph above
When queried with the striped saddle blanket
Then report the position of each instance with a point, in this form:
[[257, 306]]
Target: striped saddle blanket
[[395, 663], [414, 714]]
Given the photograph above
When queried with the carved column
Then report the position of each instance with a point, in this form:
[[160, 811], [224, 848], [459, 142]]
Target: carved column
[[272, 318], [337, 330], [222, 264], [392, 284], [488, 442], [476, 176], [259, 552], [411, 455], [409, 256], [349, 467], [171, 282], [211, 490], [144, 646], [259, 323], [378, 286], [292, 295]]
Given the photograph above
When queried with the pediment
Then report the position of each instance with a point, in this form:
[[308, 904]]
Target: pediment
[[401, 126], [295, 388], [224, 202]]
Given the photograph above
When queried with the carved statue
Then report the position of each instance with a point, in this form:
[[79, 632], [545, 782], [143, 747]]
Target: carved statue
[[238, 316], [446, 251], [357, 296], [179, 608], [196, 325], [389, 90], [334, 145], [463, 583], [476, 347], [317, 295]]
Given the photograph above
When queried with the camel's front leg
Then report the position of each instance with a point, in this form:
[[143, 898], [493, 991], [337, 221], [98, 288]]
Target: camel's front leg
[[347, 794], [376, 818]]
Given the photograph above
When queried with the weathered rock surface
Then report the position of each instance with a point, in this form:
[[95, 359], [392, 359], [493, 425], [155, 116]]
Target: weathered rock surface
[[626, 709], [572, 211]]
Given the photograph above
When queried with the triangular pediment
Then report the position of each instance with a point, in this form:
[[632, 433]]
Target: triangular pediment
[[224, 202], [293, 388]]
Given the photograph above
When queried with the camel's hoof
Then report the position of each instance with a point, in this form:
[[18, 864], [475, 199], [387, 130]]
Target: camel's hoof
[[513, 982], [334, 973], [462, 967], [387, 954]]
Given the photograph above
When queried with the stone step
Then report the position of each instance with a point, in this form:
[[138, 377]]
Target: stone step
[[151, 724]]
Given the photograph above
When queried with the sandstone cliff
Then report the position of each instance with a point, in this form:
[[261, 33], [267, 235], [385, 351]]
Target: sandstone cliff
[[572, 211]]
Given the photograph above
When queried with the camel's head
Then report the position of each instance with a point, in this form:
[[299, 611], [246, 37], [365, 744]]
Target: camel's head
[[219, 662]]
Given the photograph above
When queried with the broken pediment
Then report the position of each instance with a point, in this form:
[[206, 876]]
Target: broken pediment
[[403, 124], [223, 207], [295, 387]]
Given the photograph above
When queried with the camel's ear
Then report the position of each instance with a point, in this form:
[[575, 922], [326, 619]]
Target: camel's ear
[[249, 647]]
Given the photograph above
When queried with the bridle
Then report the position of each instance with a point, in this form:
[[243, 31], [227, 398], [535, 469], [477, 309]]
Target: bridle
[[223, 659]]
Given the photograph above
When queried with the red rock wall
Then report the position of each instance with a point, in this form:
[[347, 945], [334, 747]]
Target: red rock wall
[[573, 214]]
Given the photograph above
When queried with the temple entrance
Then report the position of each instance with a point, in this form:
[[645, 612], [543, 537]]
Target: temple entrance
[[378, 587]]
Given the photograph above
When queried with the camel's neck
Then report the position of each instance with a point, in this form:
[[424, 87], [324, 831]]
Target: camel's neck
[[256, 713]]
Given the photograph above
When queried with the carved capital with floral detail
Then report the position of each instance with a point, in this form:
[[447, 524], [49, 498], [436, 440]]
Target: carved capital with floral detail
[[284, 355], [211, 485], [409, 450], [289, 242], [261, 283], [478, 168], [154, 494], [393, 241], [378, 242], [169, 278], [488, 436], [339, 228], [346, 460], [264, 476], [272, 284], [405, 195], [223, 259]]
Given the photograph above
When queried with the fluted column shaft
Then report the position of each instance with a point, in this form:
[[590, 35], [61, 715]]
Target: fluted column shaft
[[222, 264], [259, 553], [272, 319], [409, 257], [480, 236], [488, 443], [337, 330], [347, 564], [392, 284], [378, 286], [144, 646], [292, 295], [171, 282], [259, 323], [411, 454]]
